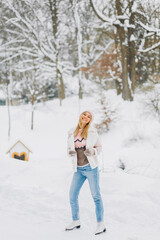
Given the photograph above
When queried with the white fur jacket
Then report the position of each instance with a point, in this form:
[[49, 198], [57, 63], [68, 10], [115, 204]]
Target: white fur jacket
[[92, 142]]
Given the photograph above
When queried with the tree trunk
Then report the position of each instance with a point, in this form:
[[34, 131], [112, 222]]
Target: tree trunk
[[59, 80], [117, 82], [131, 49], [32, 118], [61, 89], [9, 115], [132, 65], [79, 45], [7, 97], [126, 90], [32, 115]]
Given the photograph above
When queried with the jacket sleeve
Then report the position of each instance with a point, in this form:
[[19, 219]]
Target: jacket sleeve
[[98, 146], [68, 147], [70, 141]]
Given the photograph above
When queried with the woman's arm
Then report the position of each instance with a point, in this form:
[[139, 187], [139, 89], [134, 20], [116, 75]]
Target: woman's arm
[[70, 150], [98, 146], [68, 145]]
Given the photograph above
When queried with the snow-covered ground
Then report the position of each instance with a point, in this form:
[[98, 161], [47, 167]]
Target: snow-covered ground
[[34, 200]]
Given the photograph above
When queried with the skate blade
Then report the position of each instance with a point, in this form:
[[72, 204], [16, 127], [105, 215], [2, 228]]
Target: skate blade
[[70, 229], [101, 232]]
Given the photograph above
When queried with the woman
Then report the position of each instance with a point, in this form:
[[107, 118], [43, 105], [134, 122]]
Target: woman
[[84, 147]]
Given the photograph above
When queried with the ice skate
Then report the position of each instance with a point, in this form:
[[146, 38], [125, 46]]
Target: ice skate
[[74, 225], [100, 228]]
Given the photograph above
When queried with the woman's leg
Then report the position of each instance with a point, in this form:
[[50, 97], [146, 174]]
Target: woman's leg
[[77, 182], [93, 179]]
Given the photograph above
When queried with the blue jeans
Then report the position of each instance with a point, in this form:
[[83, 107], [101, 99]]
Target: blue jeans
[[79, 177]]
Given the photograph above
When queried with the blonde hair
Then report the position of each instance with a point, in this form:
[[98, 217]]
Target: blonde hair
[[84, 132]]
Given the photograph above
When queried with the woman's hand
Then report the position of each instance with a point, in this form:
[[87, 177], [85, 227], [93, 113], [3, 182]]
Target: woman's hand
[[72, 153], [89, 152]]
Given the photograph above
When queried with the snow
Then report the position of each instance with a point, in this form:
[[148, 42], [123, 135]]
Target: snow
[[2, 95], [132, 38], [34, 194]]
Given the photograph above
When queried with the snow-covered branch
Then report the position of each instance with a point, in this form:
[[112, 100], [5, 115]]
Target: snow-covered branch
[[149, 29], [156, 45], [100, 15]]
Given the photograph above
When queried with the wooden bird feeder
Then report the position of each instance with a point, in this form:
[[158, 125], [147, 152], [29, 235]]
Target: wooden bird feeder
[[19, 151]]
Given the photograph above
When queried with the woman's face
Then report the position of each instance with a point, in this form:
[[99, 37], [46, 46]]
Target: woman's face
[[85, 117]]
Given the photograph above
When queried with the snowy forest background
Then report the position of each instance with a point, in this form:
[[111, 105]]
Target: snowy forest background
[[58, 58], [55, 49]]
